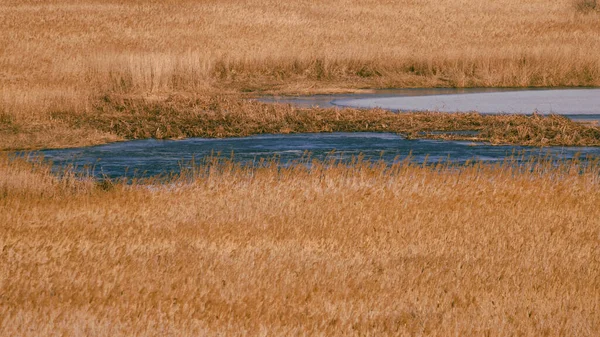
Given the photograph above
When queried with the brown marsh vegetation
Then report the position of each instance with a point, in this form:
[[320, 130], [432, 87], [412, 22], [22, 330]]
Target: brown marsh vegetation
[[114, 117], [67, 55], [224, 116], [143, 46], [337, 250], [360, 250]]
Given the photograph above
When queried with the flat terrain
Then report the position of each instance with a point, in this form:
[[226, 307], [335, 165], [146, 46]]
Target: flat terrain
[[339, 250], [64, 56], [336, 251], [177, 45]]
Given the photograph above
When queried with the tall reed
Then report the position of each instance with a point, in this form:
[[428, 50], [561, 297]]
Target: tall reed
[[334, 249]]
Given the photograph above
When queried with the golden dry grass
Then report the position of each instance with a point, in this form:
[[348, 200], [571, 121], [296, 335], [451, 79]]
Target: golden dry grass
[[335, 251], [68, 53], [175, 45]]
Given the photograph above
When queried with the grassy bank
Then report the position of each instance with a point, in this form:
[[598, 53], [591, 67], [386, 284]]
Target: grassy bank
[[114, 117], [338, 251]]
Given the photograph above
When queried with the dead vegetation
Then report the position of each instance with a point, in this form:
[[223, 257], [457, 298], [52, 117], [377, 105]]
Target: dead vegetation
[[117, 117], [586, 6], [226, 116], [141, 47], [336, 250], [62, 55]]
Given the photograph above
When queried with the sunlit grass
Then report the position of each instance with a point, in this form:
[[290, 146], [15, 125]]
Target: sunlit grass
[[480, 249], [66, 54], [336, 250]]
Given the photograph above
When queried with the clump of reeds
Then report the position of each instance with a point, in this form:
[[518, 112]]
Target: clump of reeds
[[586, 6], [27, 175]]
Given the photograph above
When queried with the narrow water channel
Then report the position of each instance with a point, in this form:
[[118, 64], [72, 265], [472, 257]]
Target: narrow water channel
[[143, 158]]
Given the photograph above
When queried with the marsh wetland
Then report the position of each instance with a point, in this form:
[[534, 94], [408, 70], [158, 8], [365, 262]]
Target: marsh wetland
[[284, 188], [144, 158]]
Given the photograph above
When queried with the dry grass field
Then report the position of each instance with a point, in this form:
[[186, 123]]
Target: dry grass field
[[335, 250], [65, 55], [144, 46], [361, 250]]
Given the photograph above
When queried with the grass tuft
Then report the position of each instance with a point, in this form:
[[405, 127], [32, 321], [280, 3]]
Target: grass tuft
[[586, 6]]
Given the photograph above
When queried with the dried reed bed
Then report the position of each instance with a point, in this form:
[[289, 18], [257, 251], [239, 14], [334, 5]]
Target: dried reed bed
[[360, 250], [25, 176], [117, 117], [62, 51], [175, 45], [26, 120], [229, 116]]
